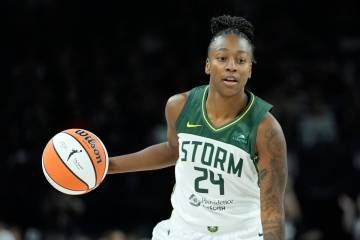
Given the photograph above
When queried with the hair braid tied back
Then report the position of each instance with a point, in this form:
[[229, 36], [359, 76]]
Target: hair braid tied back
[[227, 23]]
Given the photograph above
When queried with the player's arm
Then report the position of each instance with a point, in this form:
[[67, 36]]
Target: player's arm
[[156, 156], [271, 148]]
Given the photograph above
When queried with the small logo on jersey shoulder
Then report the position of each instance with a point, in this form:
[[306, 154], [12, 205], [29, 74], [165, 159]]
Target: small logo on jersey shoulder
[[239, 137], [194, 200], [190, 125], [212, 228], [260, 234]]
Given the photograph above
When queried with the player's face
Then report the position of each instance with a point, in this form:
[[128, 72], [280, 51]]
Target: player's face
[[229, 64]]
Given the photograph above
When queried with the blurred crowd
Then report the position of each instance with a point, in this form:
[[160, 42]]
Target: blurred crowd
[[110, 69]]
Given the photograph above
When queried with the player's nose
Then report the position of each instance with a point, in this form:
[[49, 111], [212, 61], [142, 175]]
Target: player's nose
[[231, 65]]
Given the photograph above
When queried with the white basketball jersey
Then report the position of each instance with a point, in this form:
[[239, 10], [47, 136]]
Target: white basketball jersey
[[216, 174]]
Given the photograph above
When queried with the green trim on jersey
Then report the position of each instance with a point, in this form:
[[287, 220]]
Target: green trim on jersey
[[238, 118]]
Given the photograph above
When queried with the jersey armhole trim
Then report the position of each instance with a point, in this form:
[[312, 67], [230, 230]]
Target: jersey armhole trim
[[185, 106]]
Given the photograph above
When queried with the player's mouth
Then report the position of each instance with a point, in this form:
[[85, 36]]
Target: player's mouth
[[230, 80]]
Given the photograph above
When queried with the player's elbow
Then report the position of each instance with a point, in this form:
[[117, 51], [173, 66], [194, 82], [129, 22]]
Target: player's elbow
[[173, 152]]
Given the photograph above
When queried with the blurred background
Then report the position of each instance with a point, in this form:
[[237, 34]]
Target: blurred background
[[108, 65]]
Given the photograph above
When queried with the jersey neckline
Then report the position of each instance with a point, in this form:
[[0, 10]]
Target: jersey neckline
[[232, 122]]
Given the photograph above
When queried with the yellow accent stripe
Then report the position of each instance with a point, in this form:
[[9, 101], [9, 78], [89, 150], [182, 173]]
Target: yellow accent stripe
[[231, 123]]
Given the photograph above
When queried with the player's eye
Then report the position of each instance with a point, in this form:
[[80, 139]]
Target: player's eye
[[241, 60], [221, 59]]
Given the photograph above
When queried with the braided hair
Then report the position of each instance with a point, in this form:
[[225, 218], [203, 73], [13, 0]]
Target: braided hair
[[225, 24]]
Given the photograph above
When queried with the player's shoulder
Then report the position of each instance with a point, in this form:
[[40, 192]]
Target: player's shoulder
[[176, 103], [174, 106], [269, 126], [269, 121], [177, 100]]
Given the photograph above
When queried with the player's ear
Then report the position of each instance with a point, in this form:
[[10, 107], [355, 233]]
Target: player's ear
[[207, 66]]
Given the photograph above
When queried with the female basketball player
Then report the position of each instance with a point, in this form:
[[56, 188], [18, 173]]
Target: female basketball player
[[229, 152]]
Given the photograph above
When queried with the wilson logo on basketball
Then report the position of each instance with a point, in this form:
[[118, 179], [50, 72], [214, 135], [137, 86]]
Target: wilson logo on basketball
[[92, 143]]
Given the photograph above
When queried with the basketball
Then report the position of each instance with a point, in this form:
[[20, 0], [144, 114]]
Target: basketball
[[75, 161]]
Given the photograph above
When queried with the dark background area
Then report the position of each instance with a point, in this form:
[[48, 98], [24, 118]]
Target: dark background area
[[110, 66]]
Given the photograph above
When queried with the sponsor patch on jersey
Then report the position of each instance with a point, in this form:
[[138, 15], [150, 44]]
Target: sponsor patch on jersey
[[212, 205], [194, 200]]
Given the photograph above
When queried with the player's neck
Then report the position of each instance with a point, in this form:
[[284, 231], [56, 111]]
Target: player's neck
[[221, 110]]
